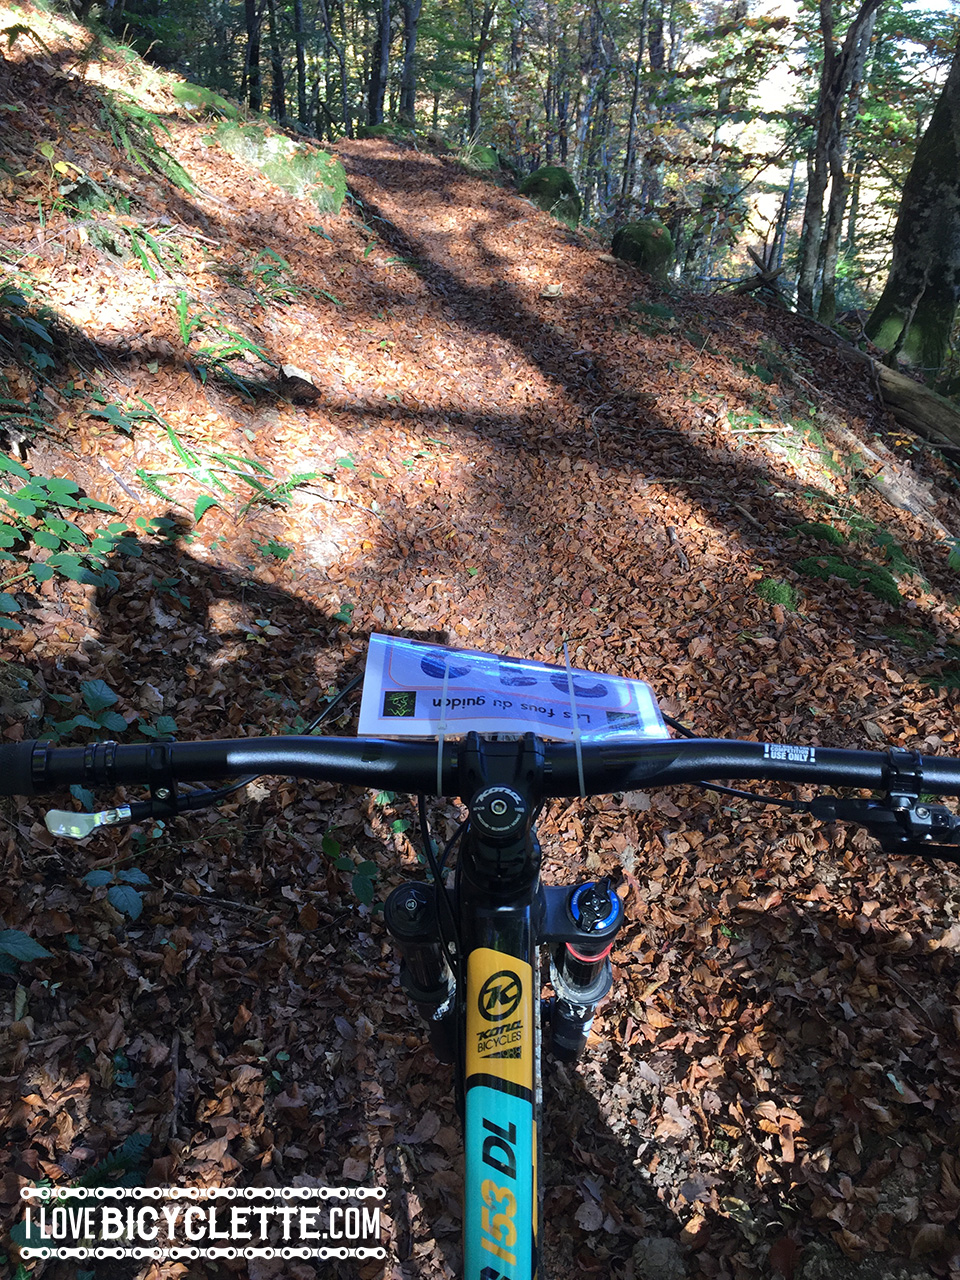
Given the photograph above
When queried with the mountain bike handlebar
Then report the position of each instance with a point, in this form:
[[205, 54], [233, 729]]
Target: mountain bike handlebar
[[35, 767]]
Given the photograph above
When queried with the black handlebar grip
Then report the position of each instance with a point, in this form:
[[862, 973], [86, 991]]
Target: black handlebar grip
[[16, 768]]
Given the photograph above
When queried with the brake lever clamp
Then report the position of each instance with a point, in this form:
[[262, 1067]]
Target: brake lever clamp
[[163, 787]]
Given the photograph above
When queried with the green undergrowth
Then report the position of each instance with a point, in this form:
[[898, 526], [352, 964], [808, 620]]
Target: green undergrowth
[[864, 574], [133, 130], [296, 167], [204, 102], [775, 591], [848, 535]]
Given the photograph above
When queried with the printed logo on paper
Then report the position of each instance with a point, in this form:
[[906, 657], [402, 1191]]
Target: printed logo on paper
[[399, 702]]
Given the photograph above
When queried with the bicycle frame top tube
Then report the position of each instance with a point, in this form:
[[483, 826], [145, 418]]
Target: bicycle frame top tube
[[498, 910]]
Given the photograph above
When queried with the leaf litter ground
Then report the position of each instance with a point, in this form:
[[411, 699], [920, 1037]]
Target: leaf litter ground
[[517, 442]]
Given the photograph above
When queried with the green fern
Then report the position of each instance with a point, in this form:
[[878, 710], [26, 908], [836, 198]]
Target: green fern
[[132, 129], [127, 1161]]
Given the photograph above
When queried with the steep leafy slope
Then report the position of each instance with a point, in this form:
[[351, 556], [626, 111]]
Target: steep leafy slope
[[511, 441]]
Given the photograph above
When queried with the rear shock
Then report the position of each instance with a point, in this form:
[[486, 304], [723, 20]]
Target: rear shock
[[580, 970], [410, 914]]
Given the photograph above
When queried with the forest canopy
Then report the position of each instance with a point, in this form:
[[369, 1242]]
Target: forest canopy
[[706, 116]]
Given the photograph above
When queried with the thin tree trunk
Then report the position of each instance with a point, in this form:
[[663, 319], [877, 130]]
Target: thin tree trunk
[[839, 184], [380, 66], [630, 159], [785, 208], [339, 50], [252, 62], [835, 77], [300, 38], [408, 78], [278, 96], [479, 68]]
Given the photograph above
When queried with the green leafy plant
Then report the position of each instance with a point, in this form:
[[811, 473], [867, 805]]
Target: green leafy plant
[[223, 343], [213, 470], [144, 246], [164, 729], [274, 548], [124, 1168], [362, 875], [31, 520], [19, 946], [273, 279], [123, 892], [23, 326], [98, 699]]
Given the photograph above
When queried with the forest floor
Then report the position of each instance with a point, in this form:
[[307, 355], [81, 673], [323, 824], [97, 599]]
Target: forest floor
[[516, 443]]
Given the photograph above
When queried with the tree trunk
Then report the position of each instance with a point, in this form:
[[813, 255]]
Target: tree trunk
[[590, 84], [380, 66], [338, 47], [300, 38], [835, 77], [630, 159], [252, 63], [915, 313], [479, 68], [408, 78], [278, 96], [839, 183]]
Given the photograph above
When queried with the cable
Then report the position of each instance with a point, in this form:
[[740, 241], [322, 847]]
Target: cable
[[436, 871], [203, 799], [795, 806]]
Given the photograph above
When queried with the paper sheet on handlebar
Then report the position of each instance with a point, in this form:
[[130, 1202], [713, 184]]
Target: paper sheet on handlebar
[[403, 683]]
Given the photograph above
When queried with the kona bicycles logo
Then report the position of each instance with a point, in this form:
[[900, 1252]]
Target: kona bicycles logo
[[500, 995]]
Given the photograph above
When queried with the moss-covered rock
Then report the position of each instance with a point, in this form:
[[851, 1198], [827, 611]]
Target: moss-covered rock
[[647, 244], [296, 167], [554, 190], [395, 132], [196, 98]]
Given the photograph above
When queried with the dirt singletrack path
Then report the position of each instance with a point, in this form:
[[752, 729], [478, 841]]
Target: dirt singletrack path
[[521, 443]]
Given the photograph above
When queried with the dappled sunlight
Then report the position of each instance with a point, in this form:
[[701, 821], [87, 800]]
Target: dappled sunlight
[[496, 436]]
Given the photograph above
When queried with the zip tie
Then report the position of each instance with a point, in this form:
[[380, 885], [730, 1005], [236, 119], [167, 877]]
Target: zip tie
[[576, 722], [442, 726]]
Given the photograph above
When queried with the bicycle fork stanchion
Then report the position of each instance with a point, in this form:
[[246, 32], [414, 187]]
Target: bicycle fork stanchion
[[580, 968]]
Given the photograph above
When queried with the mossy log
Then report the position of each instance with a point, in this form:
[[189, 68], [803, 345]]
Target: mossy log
[[919, 409]]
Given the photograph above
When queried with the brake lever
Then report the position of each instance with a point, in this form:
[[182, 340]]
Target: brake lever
[[901, 826], [75, 826]]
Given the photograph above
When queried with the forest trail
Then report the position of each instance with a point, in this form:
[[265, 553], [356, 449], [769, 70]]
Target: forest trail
[[517, 442]]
